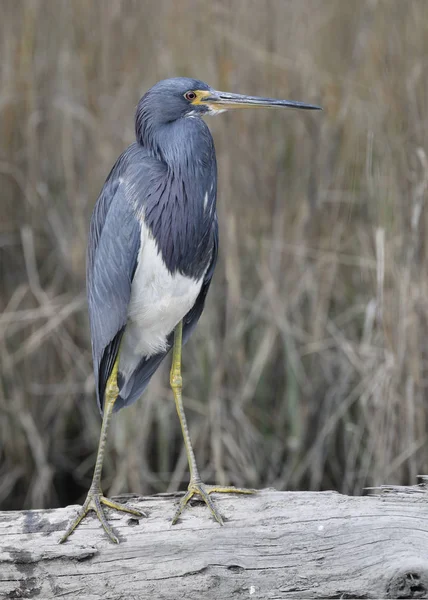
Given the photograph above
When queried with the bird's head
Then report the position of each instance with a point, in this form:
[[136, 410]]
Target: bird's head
[[181, 97]]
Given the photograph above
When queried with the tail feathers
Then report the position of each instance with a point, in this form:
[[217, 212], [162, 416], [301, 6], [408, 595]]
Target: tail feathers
[[134, 385]]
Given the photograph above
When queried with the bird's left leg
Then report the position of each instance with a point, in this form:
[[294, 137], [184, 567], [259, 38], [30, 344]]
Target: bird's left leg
[[196, 486], [95, 498]]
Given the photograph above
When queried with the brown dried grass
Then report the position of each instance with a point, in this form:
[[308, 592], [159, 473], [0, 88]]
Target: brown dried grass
[[309, 367]]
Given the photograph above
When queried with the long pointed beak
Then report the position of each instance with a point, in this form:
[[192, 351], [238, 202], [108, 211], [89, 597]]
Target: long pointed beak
[[223, 101]]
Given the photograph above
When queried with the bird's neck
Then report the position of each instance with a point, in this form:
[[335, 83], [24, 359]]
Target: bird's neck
[[182, 220], [186, 141]]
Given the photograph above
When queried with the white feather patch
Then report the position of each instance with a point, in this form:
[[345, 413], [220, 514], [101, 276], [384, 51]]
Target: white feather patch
[[159, 300]]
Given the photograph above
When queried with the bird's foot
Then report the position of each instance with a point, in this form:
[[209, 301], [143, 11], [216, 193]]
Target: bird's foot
[[94, 501], [204, 492]]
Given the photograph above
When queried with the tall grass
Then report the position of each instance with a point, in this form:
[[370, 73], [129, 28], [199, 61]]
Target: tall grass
[[309, 367]]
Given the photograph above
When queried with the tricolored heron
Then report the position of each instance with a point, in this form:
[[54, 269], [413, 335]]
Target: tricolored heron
[[151, 256]]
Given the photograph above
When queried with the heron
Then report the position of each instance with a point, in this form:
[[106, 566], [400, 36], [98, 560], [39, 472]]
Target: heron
[[152, 251]]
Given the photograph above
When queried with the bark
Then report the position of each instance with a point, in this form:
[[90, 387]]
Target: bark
[[273, 545]]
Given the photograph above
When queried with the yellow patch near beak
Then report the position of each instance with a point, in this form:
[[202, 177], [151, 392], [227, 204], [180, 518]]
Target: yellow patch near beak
[[202, 98], [201, 95]]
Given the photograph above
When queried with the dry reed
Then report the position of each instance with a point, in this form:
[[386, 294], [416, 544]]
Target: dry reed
[[309, 367]]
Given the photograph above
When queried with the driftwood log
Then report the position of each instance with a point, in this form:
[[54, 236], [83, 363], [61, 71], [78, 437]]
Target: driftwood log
[[273, 545]]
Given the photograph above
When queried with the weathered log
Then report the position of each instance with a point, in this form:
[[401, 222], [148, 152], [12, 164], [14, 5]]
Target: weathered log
[[273, 545]]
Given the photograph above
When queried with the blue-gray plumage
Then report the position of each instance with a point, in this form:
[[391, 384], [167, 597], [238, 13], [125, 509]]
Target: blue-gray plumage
[[152, 251]]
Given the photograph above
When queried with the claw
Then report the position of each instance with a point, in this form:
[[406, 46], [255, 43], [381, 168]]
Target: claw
[[204, 492], [94, 502]]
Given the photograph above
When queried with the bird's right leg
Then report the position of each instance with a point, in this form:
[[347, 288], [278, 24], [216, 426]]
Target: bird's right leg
[[196, 486], [95, 498]]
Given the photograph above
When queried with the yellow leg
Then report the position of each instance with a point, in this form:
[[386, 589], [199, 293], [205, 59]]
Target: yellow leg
[[95, 498], [196, 486]]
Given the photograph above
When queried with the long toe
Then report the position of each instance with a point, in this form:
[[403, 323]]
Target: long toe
[[221, 489], [122, 507], [80, 516]]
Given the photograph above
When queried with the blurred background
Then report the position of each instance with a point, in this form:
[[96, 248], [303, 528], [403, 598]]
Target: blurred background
[[309, 367]]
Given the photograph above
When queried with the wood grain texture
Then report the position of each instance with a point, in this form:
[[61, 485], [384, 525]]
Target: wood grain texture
[[273, 545]]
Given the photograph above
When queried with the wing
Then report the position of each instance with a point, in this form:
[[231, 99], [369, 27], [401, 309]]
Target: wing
[[113, 245], [148, 366]]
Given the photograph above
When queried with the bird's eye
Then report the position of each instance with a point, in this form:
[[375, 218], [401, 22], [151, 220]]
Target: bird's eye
[[190, 95]]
